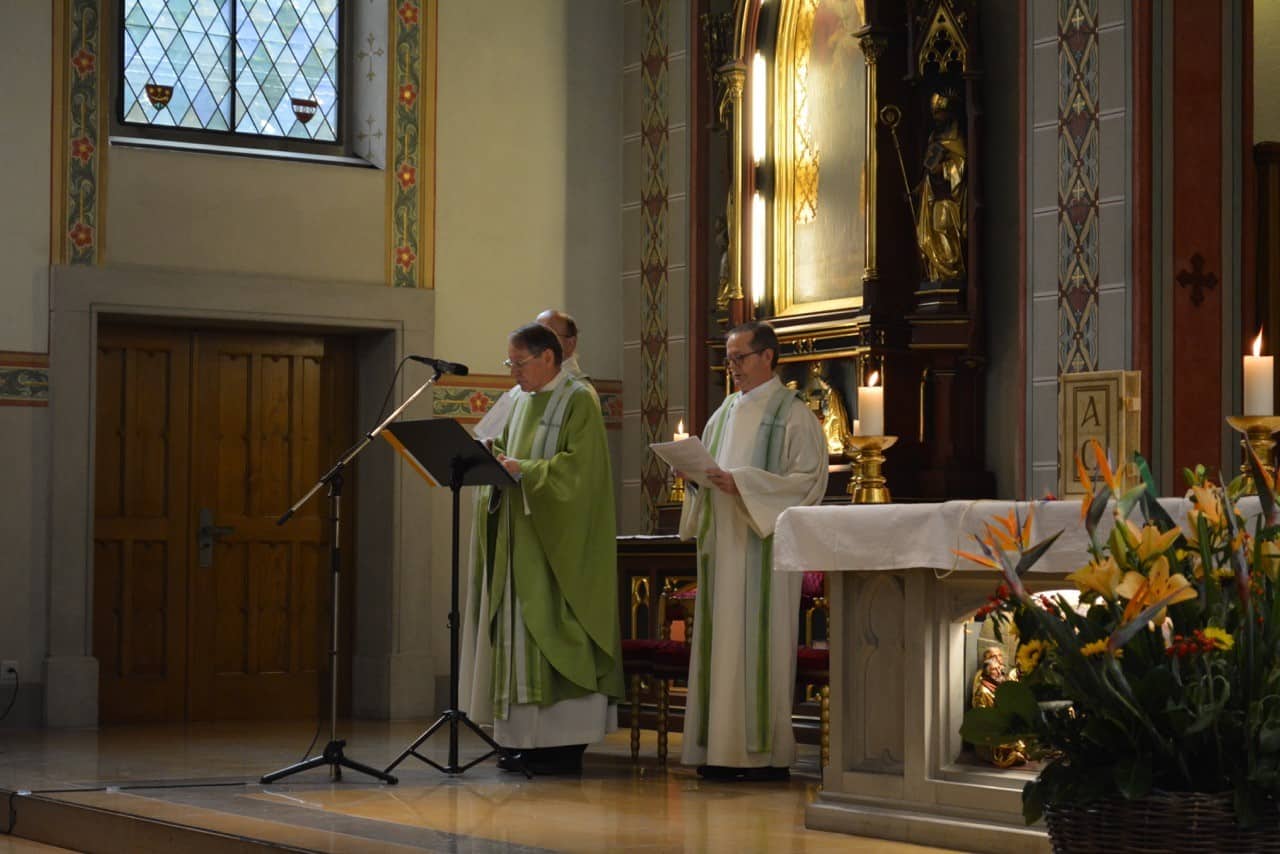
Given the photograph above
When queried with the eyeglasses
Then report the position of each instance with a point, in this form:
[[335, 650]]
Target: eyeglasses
[[736, 361], [510, 365]]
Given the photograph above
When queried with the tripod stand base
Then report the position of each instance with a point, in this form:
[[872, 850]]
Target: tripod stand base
[[454, 717], [333, 757]]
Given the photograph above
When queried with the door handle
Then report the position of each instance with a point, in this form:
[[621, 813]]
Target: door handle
[[208, 534]]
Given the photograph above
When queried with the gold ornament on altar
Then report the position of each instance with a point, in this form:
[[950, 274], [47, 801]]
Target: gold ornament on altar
[[986, 680], [941, 224], [825, 403]]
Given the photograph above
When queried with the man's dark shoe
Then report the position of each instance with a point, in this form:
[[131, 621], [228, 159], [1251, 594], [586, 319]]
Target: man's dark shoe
[[511, 761], [565, 760]]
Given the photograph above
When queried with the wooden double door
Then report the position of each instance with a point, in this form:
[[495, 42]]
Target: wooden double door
[[204, 607]]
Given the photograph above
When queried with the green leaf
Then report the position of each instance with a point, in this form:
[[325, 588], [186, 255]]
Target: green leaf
[[987, 727], [1127, 501], [1018, 700], [1133, 777]]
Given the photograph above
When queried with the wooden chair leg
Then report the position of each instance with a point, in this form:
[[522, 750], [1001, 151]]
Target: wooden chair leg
[[635, 717], [664, 706], [824, 726]]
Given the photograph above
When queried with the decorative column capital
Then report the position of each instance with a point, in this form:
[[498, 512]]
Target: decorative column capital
[[873, 47]]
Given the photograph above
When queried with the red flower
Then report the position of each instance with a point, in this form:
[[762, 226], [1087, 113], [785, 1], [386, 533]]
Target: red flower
[[408, 94], [81, 235], [408, 13], [407, 175], [479, 402], [405, 256], [82, 149], [83, 62]]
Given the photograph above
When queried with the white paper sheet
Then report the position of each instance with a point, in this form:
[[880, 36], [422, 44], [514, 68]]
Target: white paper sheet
[[688, 456]]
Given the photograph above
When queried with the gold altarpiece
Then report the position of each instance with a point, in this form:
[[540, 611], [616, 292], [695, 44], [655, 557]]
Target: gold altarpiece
[[851, 148]]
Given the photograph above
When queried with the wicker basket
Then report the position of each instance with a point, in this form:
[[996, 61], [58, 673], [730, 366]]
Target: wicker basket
[[1159, 823]]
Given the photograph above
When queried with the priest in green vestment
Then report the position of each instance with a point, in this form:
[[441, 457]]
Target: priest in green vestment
[[541, 651]]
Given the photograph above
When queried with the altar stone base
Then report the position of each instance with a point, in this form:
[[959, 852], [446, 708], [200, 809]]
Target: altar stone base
[[899, 679]]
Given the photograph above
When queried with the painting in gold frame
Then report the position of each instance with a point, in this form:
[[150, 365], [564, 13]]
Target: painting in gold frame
[[819, 115]]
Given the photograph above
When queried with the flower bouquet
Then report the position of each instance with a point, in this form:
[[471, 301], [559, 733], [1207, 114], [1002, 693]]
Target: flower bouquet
[[1163, 679]]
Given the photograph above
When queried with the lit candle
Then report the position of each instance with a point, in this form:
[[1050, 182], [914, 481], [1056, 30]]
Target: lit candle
[[1258, 399], [680, 434], [871, 407]]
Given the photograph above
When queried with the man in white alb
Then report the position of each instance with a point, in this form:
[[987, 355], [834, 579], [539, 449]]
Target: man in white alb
[[771, 455]]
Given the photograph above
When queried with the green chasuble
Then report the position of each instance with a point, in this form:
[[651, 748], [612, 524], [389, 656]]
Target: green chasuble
[[551, 556]]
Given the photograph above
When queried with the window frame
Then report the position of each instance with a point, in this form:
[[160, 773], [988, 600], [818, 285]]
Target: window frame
[[233, 141]]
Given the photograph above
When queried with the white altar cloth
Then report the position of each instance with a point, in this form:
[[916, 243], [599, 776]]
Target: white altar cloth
[[871, 537]]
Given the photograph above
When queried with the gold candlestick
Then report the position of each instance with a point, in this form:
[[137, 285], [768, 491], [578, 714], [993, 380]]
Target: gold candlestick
[[855, 467], [871, 488], [1257, 430], [676, 495]]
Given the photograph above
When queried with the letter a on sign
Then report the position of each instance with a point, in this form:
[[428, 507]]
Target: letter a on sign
[[1090, 416]]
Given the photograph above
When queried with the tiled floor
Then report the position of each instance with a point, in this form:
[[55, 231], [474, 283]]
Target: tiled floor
[[205, 776]]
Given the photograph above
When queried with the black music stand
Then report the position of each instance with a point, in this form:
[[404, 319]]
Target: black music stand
[[333, 754], [443, 452]]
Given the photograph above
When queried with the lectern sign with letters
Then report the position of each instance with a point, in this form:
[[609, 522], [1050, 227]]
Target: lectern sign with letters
[[1102, 405]]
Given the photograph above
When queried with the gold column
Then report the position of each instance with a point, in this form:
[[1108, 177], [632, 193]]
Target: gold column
[[872, 48], [734, 79]]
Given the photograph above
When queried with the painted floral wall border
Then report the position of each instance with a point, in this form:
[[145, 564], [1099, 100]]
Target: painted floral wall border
[[24, 379], [468, 399]]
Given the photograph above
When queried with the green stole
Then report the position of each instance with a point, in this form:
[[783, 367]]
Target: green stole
[[767, 455]]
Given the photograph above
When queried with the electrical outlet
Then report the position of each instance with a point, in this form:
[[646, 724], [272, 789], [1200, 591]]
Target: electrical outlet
[[8, 670]]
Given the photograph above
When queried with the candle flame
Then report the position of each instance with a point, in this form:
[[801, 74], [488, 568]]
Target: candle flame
[[1257, 344], [873, 379], [680, 426]]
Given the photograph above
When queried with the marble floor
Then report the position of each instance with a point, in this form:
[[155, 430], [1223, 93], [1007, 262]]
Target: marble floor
[[205, 776]]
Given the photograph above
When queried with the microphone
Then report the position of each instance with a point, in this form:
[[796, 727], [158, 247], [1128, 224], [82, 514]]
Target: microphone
[[442, 366]]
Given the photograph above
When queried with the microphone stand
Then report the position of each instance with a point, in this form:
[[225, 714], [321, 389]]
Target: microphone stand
[[333, 755]]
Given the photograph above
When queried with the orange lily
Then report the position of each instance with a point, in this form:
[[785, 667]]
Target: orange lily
[[1147, 540], [1158, 585], [1099, 577]]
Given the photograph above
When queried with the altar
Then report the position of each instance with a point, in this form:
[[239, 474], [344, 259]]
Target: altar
[[902, 647]]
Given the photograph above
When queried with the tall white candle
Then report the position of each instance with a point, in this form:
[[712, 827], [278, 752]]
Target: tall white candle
[[871, 407], [1258, 381]]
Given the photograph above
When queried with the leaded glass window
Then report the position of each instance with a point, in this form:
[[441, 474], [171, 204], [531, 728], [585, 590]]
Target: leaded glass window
[[262, 67]]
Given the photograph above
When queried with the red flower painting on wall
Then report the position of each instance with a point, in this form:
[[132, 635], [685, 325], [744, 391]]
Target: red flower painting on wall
[[405, 256], [81, 235], [82, 149], [83, 62], [406, 175]]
